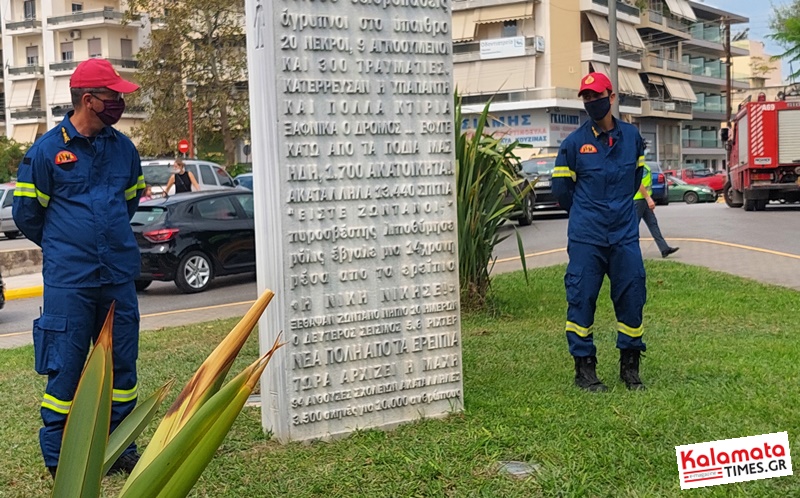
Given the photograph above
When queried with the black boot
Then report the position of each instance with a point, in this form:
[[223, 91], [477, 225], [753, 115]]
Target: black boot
[[52, 471], [629, 369], [585, 375], [124, 464]]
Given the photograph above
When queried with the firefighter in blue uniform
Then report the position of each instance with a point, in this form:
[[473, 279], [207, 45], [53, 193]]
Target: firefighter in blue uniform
[[598, 170], [77, 188]]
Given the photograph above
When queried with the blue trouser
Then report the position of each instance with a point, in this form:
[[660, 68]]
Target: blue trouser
[[644, 212], [588, 265], [70, 323]]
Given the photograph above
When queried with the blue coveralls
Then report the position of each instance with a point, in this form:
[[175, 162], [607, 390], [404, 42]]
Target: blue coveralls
[[595, 178], [74, 198]]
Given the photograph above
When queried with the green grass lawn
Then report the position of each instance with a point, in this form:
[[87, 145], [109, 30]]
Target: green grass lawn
[[723, 362]]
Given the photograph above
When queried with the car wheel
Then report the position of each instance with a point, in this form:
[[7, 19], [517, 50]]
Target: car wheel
[[727, 192], [194, 272], [690, 197], [527, 211], [142, 284], [11, 235]]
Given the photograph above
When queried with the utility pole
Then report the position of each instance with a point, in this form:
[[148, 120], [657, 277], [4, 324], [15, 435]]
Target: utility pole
[[726, 23], [612, 53]]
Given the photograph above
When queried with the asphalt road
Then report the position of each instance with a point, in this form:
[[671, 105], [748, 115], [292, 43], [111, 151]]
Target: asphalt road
[[775, 229]]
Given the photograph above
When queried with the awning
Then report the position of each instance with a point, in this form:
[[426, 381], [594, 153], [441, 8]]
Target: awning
[[681, 8], [25, 133], [22, 93], [680, 90], [463, 28], [506, 12], [628, 35], [495, 75], [629, 81], [61, 93], [600, 26], [655, 79]]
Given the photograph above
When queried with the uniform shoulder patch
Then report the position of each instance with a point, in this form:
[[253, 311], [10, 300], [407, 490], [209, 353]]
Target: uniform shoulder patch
[[588, 149], [26, 160], [65, 157]]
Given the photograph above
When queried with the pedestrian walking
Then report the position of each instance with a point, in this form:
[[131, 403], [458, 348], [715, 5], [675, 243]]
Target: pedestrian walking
[[646, 209], [78, 187], [597, 172]]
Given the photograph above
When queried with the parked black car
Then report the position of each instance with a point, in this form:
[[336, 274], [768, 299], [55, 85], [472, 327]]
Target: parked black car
[[539, 171], [194, 237]]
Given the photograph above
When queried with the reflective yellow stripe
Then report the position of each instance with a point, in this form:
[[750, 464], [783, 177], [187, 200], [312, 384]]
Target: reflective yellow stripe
[[140, 185], [43, 198], [25, 190], [563, 172], [123, 395], [581, 331], [641, 161], [631, 331], [130, 193], [55, 404]]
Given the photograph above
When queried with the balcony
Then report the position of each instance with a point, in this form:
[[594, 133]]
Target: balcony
[[27, 113], [714, 73], [25, 72], [664, 24], [61, 110], [702, 147], [26, 27], [712, 111], [119, 64], [456, 4], [625, 12], [666, 67], [600, 52], [88, 18], [666, 109], [707, 38]]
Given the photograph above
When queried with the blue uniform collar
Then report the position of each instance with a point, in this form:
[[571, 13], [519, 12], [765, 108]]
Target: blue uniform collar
[[68, 131], [598, 132]]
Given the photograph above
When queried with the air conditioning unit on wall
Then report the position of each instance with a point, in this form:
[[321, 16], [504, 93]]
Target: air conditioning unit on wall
[[75, 34]]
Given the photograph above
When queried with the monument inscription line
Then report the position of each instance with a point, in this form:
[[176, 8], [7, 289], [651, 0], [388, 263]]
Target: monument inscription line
[[352, 125]]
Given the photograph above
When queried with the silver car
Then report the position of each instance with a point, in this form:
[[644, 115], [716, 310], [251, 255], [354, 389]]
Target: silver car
[[210, 176], [7, 225]]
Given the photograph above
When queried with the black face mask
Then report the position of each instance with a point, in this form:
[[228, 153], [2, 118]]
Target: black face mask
[[597, 109]]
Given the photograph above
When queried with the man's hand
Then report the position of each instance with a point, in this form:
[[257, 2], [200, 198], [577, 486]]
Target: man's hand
[[651, 204]]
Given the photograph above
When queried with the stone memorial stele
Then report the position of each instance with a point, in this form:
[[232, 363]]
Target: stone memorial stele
[[355, 195]]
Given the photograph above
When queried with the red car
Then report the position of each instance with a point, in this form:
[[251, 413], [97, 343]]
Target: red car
[[712, 179]]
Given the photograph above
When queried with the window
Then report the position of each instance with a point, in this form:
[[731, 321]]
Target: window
[[95, 47], [208, 175], [30, 9], [246, 200], [32, 55], [220, 208], [66, 52], [126, 49], [223, 177], [2, 100], [36, 102], [9, 200], [77, 7], [509, 29]]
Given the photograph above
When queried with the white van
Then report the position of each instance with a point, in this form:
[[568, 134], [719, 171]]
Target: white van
[[210, 176]]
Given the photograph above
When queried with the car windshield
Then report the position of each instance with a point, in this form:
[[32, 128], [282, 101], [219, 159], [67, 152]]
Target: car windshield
[[539, 166], [654, 167], [156, 174], [677, 181], [148, 215], [245, 181]]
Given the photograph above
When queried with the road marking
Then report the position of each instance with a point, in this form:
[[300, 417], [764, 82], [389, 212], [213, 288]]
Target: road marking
[[162, 313], [675, 239]]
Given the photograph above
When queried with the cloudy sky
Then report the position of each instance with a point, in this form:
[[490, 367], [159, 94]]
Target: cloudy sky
[[759, 15]]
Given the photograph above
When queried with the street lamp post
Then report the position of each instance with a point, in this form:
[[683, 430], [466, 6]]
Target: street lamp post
[[191, 87]]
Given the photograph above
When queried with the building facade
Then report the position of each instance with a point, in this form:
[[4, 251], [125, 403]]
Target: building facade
[[529, 56], [42, 43]]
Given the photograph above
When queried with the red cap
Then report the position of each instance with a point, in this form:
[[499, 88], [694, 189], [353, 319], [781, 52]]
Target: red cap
[[98, 73], [596, 82]]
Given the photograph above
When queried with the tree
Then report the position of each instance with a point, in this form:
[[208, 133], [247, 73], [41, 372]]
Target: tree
[[11, 153], [785, 24], [202, 41]]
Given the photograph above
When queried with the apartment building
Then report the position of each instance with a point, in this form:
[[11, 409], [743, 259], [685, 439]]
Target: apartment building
[[42, 43], [529, 56]]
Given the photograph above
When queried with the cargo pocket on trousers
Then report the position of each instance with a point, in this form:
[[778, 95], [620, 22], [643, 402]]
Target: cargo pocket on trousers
[[49, 335], [572, 282]]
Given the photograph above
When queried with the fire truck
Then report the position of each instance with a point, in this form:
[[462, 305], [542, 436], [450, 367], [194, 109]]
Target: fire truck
[[764, 153]]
